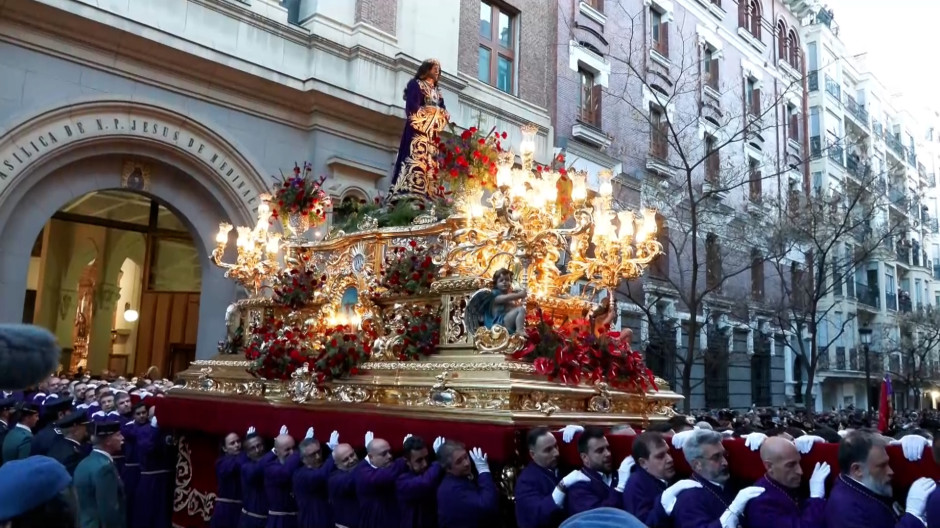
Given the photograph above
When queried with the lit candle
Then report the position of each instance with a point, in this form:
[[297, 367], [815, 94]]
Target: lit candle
[[274, 244], [626, 219], [578, 185], [245, 238], [504, 170], [550, 186], [222, 237], [527, 146], [605, 188]]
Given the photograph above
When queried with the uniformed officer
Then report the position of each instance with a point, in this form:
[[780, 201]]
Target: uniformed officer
[[70, 447], [101, 501], [54, 408], [17, 444], [7, 403]]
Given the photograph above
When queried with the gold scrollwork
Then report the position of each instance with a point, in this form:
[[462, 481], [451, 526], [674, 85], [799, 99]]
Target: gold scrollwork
[[456, 331], [600, 402], [416, 366], [443, 396], [458, 284], [541, 402], [185, 497], [497, 340]]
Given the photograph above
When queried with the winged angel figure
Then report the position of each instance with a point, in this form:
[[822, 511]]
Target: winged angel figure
[[497, 305]]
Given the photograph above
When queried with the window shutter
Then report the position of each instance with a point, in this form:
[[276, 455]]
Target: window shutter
[[599, 5], [742, 13], [755, 102], [664, 39], [596, 103], [714, 74]]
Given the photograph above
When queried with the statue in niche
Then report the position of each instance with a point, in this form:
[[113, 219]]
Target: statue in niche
[[425, 117], [498, 305], [135, 176], [348, 302]]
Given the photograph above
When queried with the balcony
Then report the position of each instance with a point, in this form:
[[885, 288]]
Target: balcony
[[891, 301], [861, 171], [812, 80], [904, 302], [895, 145], [880, 186], [856, 110], [936, 271], [815, 147], [868, 295], [911, 158], [823, 361], [931, 180], [903, 255], [833, 88], [897, 197], [834, 151]]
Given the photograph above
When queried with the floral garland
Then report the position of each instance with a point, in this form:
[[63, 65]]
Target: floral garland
[[301, 193], [469, 159], [276, 349], [572, 353], [408, 269], [341, 350], [420, 334], [295, 288]]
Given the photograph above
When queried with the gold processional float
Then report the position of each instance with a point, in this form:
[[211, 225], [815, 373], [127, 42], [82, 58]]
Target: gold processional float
[[408, 319]]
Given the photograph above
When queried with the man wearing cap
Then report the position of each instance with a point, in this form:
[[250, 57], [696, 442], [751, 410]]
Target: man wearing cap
[[69, 448], [35, 492], [54, 408], [7, 404], [18, 441], [98, 486]]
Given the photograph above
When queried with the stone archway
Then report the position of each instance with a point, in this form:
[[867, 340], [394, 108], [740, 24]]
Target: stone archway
[[83, 158]]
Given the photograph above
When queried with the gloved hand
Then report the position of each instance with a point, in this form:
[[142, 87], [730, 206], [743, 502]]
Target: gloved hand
[[678, 439], [479, 460], [568, 432], [334, 440], [670, 494], [570, 479], [913, 446], [917, 496], [438, 442], [407, 436], [309, 433], [727, 433], [623, 473], [369, 437], [732, 515], [804, 444], [283, 430], [251, 430], [153, 422], [754, 440], [817, 481]]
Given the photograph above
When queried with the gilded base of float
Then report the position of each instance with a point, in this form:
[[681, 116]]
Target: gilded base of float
[[449, 386]]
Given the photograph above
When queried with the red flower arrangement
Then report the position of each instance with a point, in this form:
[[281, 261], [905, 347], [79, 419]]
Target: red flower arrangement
[[276, 349], [421, 333], [342, 349], [301, 193], [469, 159], [294, 288], [572, 353], [409, 269]]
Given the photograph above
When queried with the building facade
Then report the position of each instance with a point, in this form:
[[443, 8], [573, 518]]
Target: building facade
[[129, 130]]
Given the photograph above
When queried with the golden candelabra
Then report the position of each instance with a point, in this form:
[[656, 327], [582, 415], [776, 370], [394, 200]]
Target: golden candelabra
[[257, 249]]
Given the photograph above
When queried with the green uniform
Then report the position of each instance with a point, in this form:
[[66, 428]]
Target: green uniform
[[68, 452], [100, 492], [17, 443]]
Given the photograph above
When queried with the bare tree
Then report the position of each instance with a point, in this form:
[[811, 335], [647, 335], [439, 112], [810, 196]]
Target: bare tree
[[915, 345]]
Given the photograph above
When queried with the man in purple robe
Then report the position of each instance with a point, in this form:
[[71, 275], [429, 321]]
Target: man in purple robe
[[341, 487], [416, 488], [712, 504], [228, 500], [862, 495], [540, 492], [278, 483], [461, 502], [153, 501], [604, 487], [130, 472], [310, 484], [254, 501], [375, 484], [781, 503], [648, 485]]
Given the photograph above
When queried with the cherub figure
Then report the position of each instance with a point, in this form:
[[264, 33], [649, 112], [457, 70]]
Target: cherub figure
[[499, 305]]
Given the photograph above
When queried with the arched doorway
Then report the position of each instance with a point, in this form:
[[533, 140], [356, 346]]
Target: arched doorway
[[116, 275]]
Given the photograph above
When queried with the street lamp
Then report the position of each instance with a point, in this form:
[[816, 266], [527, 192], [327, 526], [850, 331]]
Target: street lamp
[[865, 337]]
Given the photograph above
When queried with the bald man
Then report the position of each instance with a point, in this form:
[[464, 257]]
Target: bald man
[[342, 487], [278, 484], [375, 485], [254, 499], [781, 503]]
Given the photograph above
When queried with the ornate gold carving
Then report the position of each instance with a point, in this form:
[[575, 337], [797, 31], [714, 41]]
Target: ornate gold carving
[[415, 366], [300, 384], [367, 223], [541, 402], [507, 481], [458, 284], [497, 340], [456, 330], [443, 396], [185, 496], [220, 363], [601, 402]]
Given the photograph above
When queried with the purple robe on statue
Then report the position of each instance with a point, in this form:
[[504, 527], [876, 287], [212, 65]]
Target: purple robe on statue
[[535, 507], [228, 501], [153, 501], [596, 493], [343, 501], [779, 506], [852, 505], [702, 507], [254, 502], [278, 488], [310, 491], [641, 498], [463, 503], [933, 510], [375, 489], [417, 497], [415, 167]]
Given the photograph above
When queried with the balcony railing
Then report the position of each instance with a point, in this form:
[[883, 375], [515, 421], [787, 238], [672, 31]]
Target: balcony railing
[[880, 186], [823, 362], [897, 197], [895, 145], [815, 146], [891, 301], [835, 153], [903, 254], [856, 110], [812, 80], [833, 88], [904, 302], [861, 171], [912, 158], [868, 294]]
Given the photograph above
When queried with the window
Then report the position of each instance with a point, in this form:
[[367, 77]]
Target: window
[[710, 68], [712, 160], [716, 3], [495, 56], [659, 29], [589, 98], [659, 268], [755, 176], [793, 49], [712, 262], [659, 145], [793, 123], [716, 370], [782, 51], [752, 96], [757, 275], [798, 286], [749, 16], [598, 5], [760, 371], [811, 54]]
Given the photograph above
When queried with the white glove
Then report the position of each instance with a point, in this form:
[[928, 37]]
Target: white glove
[[754, 440], [283, 430], [727, 434], [843, 432], [570, 479], [309, 434], [334, 440], [369, 437], [407, 436], [251, 430], [623, 473], [917, 496], [817, 481], [670, 494], [679, 439], [479, 460], [438, 442], [153, 422], [804, 444], [733, 514], [568, 432], [913, 446]]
